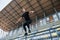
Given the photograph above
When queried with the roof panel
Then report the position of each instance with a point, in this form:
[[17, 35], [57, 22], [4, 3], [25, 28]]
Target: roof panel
[[11, 13]]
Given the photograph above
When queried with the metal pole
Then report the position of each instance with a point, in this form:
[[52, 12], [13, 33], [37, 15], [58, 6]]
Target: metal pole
[[57, 13], [57, 34], [36, 24], [50, 33]]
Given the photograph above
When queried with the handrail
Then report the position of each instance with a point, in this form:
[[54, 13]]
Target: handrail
[[53, 27], [23, 37]]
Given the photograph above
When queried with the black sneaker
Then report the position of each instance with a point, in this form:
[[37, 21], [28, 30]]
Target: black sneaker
[[29, 31], [26, 34]]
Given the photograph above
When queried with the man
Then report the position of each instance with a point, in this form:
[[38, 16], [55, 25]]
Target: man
[[27, 20]]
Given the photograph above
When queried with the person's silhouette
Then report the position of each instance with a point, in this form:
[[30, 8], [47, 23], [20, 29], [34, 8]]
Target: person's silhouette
[[27, 20]]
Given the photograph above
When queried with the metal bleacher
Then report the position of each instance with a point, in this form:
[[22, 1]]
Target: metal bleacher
[[50, 31]]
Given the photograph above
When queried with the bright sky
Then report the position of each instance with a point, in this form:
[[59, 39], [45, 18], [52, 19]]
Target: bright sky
[[4, 3]]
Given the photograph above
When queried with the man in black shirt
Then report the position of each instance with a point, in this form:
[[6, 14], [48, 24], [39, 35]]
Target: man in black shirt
[[27, 20]]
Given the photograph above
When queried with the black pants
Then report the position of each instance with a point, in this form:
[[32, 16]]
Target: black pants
[[27, 24]]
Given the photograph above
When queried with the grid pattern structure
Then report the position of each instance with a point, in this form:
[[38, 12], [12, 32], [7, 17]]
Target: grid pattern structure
[[42, 8]]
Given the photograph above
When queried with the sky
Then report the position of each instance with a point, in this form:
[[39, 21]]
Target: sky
[[4, 3]]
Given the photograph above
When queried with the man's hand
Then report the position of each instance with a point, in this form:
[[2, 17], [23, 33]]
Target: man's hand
[[23, 10], [31, 12]]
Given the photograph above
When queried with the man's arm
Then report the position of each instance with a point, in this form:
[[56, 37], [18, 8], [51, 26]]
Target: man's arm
[[31, 12], [19, 19]]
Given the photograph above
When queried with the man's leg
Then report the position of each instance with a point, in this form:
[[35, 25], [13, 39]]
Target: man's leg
[[25, 28], [29, 22], [28, 28]]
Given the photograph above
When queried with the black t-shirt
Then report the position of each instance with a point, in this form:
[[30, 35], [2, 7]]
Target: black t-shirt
[[26, 16]]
